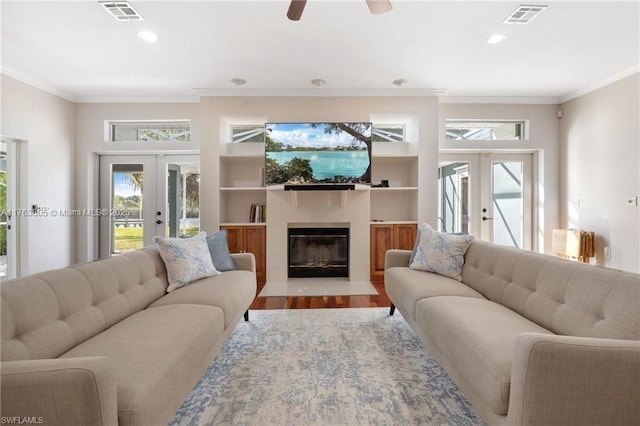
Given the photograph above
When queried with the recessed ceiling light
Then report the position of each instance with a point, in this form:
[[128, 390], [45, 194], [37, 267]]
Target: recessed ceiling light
[[148, 36], [496, 38], [318, 82], [238, 81], [399, 82]]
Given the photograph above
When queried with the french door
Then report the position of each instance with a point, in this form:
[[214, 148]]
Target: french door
[[144, 196], [8, 203], [489, 196]]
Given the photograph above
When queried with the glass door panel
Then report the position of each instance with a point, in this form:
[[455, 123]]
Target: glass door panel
[[182, 195], [126, 203], [127, 221], [508, 203], [8, 220], [507, 199], [453, 211]]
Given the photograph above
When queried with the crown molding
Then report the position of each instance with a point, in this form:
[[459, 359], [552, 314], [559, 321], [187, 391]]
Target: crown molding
[[177, 99], [543, 100], [321, 92], [318, 92], [38, 84], [600, 84]]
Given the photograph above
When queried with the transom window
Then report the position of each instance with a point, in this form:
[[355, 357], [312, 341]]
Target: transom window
[[247, 133], [388, 133], [485, 130], [150, 131]]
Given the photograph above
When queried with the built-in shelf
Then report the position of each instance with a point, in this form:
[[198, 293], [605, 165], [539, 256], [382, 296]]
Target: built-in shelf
[[241, 158], [395, 188], [394, 156], [243, 224], [394, 222], [243, 188]]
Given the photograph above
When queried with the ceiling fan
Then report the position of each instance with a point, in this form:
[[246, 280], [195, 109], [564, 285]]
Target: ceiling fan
[[377, 7]]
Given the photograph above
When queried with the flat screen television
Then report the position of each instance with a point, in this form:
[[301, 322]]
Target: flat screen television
[[317, 153]]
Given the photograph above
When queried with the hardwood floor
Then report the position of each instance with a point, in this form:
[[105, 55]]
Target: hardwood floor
[[380, 300]]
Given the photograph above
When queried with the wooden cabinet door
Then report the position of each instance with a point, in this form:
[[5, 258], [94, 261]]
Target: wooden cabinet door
[[405, 236], [250, 239], [255, 239], [389, 236], [235, 238], [381, 241]]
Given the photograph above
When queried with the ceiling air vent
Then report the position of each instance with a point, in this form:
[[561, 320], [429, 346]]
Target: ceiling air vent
[[524, 14], [122, 11]]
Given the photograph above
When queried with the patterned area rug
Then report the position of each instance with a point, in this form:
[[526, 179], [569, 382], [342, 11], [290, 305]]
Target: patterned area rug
[[356, 366]]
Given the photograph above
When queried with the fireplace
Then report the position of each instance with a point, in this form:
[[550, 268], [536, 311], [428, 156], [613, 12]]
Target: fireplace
[[318, 252]]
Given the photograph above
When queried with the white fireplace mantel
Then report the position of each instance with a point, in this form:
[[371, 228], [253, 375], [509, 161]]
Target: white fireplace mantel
[[318, 208], [344, 194]]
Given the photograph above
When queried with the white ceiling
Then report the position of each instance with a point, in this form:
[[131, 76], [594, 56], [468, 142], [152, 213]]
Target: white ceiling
[[77, 50]]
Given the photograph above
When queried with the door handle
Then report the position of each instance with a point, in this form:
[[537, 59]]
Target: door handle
[[484, 218]]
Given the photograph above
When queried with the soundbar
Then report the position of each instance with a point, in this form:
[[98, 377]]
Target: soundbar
[[320, 187]]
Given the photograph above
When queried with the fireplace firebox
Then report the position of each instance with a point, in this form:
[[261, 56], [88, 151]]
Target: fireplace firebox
[[318, 252]]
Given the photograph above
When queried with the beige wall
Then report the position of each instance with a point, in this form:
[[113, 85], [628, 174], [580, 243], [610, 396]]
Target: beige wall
[[47, 124], [600, 139]]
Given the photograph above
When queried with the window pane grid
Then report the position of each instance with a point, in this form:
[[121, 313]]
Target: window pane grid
[[484, 130], [247, 133], [388, 133], [150, 131]]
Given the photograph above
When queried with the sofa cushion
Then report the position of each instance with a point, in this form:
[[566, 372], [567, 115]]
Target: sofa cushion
[[477, 336], [46, 314], [232, 291], [219, 250], [156, 353], [440, 253], [405, 287], [565, 297], [187, 259]]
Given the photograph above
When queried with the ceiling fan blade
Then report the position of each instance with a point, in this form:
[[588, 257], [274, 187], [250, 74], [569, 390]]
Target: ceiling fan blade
[[295, 9], [378, 7]]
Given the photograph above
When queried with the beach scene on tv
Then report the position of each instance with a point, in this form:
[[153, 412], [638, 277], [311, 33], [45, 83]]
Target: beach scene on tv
[[312, 153]]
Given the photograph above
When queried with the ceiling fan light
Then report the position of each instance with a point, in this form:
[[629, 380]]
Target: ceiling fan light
[[378, 7]]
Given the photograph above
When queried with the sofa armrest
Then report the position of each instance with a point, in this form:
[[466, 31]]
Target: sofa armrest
[[63, 391], [244, 261], [395, 257], [567, 380]]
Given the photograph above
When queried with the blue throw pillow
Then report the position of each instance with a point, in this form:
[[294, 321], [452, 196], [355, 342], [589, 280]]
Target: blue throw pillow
[[220, 251]]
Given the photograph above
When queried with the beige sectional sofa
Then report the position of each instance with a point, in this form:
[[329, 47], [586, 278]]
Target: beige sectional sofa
[[529, 339], [103, 343]]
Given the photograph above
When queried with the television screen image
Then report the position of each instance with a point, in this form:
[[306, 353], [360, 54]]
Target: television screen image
[[317, 153]]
